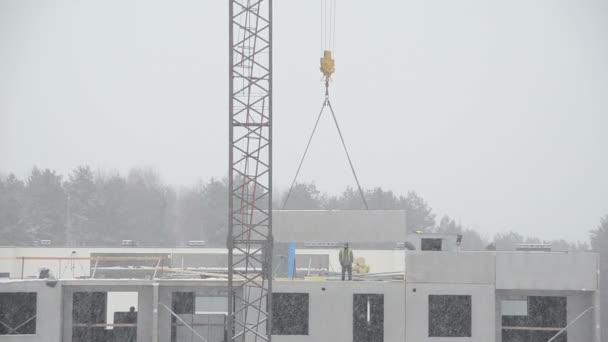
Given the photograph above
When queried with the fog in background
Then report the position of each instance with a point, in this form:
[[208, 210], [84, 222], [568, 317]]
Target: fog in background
[[494, 113]]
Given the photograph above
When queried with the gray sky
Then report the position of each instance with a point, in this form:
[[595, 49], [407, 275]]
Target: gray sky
[[495, 112]]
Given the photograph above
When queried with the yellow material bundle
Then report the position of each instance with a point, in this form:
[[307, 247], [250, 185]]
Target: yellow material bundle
[[360, 267]]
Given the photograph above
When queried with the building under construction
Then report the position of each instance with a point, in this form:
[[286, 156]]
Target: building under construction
[[278, 277], [417, 287]]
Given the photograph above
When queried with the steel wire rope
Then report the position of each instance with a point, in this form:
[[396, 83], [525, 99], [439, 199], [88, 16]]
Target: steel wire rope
[[333, 29], [326, 103], [328, 24], [321, 25], [323, 31], [314, 129], [327, 4], [350, 162]]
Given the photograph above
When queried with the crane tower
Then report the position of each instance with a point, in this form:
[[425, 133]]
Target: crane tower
[[250, 171]]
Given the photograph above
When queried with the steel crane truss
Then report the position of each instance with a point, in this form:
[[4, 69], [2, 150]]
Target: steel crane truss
[[250, 202]]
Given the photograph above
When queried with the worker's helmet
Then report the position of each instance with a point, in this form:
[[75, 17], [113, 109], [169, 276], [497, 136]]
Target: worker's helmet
[[346, 245]]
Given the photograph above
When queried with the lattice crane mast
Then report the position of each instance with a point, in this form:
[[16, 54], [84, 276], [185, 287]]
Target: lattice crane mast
[[250, 171]]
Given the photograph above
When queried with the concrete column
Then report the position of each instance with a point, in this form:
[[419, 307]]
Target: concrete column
[[144, 313], [155, 312], [165, 295], [498, 316], [583, 328], [597, 317], [68, 298], [597, 301], [405, 293]]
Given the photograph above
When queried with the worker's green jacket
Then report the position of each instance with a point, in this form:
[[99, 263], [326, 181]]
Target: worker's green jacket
[[346, 256]]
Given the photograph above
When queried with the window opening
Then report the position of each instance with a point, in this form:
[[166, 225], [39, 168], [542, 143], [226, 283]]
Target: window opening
[[290, 313], [18, 313], [200, 314], [104, 316], [449, 316], [368, 317], [545, 316], [430, 244]]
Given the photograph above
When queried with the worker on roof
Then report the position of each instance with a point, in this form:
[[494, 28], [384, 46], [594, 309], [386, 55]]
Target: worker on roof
[[346, 261]]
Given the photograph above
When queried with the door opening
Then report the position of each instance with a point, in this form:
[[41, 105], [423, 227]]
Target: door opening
[[368, 318]]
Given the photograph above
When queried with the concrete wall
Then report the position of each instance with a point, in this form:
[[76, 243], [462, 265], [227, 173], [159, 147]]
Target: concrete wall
[[48, 310], [331, 309], [487, 276], [450, 267], [417, 311], [356, 226], [508, 270], [547, 271]]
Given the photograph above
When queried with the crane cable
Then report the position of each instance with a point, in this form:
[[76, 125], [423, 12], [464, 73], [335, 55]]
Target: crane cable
[[327, 68], [328, 24], [326, 104]]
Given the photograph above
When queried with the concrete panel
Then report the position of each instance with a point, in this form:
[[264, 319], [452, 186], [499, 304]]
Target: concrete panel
[[583, 328], [164, 316], [48, 310], [331, 309], [145, 313], [356, 226], [450, 267], [417, 311], [547, 271]]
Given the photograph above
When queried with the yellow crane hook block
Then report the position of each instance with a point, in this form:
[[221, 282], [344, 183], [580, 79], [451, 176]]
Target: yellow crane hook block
[[328, 65]]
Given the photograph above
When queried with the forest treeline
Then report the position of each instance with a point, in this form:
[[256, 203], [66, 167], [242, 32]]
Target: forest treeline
[[87, 208]]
